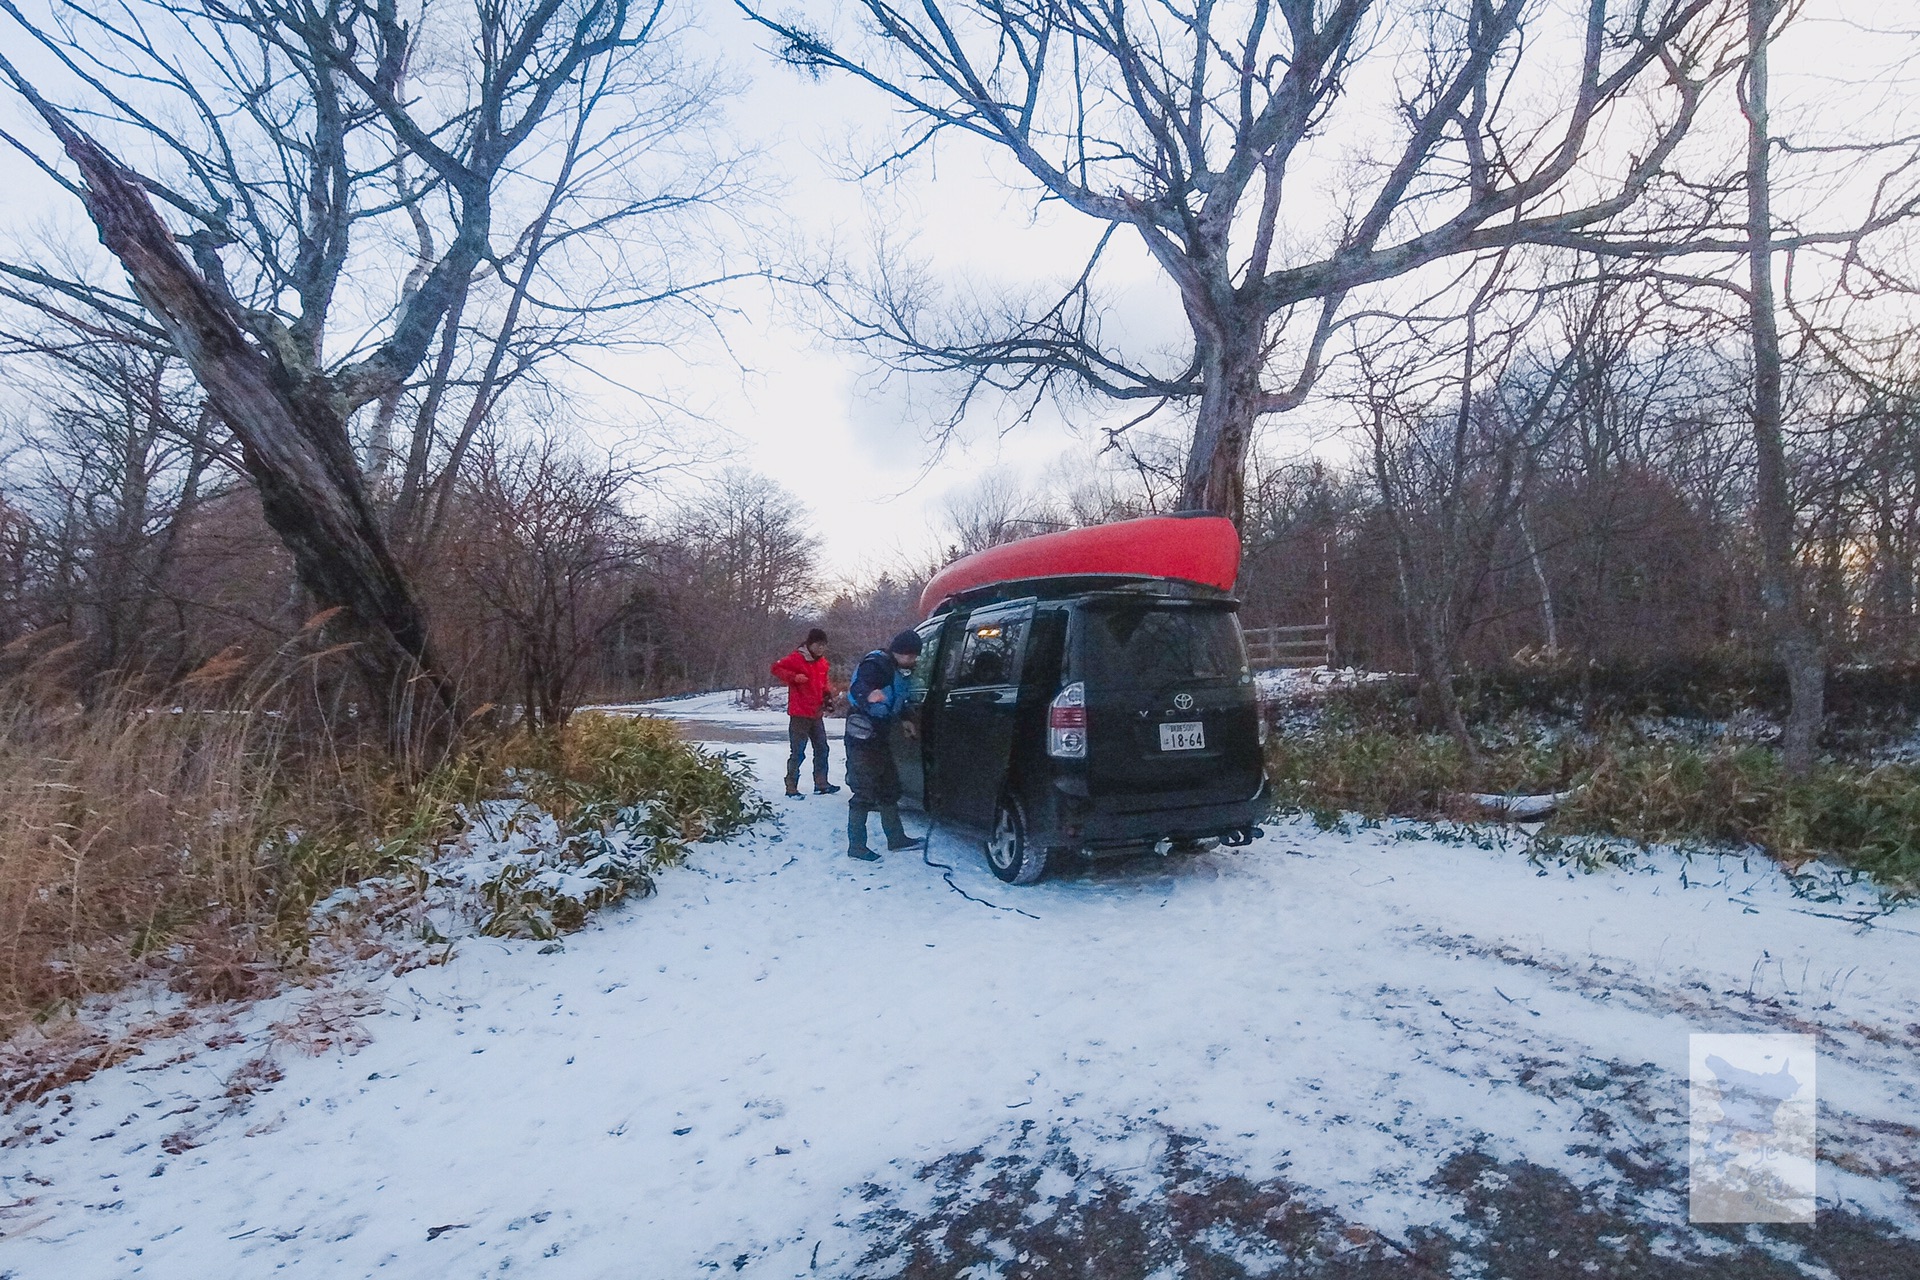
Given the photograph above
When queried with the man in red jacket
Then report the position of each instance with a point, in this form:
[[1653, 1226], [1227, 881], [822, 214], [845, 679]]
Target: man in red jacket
[[804, 672]]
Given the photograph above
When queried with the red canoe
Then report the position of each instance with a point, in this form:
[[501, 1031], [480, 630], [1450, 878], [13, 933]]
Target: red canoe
[[1197, 548]]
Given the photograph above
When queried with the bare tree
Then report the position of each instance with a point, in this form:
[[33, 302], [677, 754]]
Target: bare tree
[[281, 139], [1866, 462], [995, 508], [1795, 640], [118, 456], [18, 538], [747, 564], [1648, 456], [1298, 512], [1222, 136], [1453, 454], [543, 544]]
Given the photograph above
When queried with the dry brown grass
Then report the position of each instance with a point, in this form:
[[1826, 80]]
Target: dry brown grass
[[185, 835], [45, 1061], [183, 838]]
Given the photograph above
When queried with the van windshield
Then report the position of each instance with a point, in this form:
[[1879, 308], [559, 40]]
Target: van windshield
[[1142, 647]]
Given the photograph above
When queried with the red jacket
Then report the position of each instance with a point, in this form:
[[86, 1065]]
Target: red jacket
[[803, 699]]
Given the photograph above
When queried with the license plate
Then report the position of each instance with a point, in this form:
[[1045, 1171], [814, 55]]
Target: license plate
[[1188, 735]]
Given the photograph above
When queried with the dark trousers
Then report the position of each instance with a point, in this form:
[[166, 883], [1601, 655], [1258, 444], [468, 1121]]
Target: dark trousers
[[873, 776], [803, 731]]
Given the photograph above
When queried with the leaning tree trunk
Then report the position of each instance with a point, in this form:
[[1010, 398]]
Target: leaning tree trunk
[[296, 449], [1795, 641]]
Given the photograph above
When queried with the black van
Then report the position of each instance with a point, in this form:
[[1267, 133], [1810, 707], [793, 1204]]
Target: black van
[[1085, 718]]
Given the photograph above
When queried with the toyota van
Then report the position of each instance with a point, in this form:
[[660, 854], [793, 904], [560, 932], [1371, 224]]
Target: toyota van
[[1085, 718]]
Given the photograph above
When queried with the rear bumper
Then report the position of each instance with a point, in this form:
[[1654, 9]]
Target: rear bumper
[[1095, 827]]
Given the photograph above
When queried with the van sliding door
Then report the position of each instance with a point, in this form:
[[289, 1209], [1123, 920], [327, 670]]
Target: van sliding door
[[978, 710], [911, 750]]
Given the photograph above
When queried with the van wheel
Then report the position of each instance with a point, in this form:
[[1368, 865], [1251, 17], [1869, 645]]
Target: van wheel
[[1012, 858]]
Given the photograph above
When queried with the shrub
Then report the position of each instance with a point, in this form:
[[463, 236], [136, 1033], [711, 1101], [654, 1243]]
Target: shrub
[[1712, 686], [192, 834], [601, 763], [536, 879], [1867, 819], [193, 838], [1667, 793], [1378, 772], [614, 799]]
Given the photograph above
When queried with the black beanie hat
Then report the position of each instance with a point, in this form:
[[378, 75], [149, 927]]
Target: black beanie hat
[[815, 635], [905, 642]]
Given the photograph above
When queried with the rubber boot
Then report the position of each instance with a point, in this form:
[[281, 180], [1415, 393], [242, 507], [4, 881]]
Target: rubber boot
[[897, 837], [857, 832]]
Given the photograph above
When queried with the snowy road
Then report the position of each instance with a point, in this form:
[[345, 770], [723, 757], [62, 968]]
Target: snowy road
[[1369, 1054]]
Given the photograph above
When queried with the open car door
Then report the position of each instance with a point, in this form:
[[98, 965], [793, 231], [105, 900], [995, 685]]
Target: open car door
[[911, 750], [978, 711]]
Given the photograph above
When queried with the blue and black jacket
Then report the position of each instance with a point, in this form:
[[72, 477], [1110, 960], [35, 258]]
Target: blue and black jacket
[[871, 721]]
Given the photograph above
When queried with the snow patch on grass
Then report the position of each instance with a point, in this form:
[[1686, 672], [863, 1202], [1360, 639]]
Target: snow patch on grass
[[538, 878]]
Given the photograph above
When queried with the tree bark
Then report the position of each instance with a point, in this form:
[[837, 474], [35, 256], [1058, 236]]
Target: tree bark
[[1428, 618], [1547, 618], [1439, 704], [1230, 401], [1782, 594], [296, 448]]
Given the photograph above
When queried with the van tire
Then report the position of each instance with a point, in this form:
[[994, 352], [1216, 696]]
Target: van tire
[[1010, 855]]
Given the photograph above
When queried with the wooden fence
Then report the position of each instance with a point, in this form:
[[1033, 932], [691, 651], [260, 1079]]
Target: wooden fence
[[1269, 648]]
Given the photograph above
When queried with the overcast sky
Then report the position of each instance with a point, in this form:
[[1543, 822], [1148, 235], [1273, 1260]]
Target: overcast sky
[[814, 415]]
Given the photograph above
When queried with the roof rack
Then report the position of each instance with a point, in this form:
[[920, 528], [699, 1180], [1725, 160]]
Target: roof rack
[[1063, 586]]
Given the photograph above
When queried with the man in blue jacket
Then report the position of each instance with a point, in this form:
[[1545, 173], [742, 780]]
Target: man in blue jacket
[[875, 700]]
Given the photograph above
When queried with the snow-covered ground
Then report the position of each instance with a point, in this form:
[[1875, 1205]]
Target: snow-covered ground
[[770, 1068], [725, 707], [1298, 682]]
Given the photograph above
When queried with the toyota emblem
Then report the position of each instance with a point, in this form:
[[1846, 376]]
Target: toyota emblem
[[1183, 701]]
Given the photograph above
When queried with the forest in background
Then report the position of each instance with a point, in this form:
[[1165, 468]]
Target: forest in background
[[1605, 516]]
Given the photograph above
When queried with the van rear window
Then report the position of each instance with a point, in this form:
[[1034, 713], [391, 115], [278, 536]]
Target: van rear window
[[1145, 647]]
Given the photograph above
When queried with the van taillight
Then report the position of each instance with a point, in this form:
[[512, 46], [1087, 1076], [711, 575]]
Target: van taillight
[[1067, 723]]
